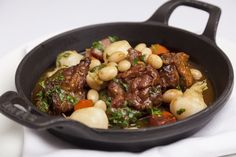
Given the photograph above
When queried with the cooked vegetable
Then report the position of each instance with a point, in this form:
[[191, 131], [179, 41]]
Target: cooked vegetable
[[93, 81], [112, 64], [83, 104], [146, 52], [68, 59], [197, 75], [91, 116], [124, 65], [117, 56], [155, 61], [94, 63], [116, 86], [171, 94], [162, 119], [118, 46], [101, 104], [92, 95], [50, 73], [140, 47], [191, 102], [107, 73], [159, 49]]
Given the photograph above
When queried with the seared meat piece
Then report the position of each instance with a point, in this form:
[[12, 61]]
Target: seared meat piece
[[64, 88], [155, 95], [117, 93], [138, 71], [96, 53], [180, 60], [75, 77], [169, 76], [133, 72], [154, 74], [134, 55], [142, 80], [181, 63], [168, 58]]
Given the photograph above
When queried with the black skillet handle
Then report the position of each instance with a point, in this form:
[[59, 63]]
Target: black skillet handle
[[32, 119], [24, 114], [162, 15]]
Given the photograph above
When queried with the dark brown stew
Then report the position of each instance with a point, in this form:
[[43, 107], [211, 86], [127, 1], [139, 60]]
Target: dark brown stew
[[134, 87]]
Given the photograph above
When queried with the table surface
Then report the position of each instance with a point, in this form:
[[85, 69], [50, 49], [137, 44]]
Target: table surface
[[24, 20]]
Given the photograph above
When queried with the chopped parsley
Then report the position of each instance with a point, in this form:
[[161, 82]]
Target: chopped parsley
[[44, 106], [123, 117], [71, 99], [98, 45], [61, 95], [156, 111], [180, 111], [42, 84], [143, 58], [42, 102], [178, 87], [40, 94], [155, 90], [103, 95], [113, 38], [135, 61], [122, 84]]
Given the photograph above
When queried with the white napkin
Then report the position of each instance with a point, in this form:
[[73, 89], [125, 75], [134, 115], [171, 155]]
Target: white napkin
[[216, 139]]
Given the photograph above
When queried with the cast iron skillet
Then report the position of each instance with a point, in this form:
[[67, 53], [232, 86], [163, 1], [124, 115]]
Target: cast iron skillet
[[202, 49]]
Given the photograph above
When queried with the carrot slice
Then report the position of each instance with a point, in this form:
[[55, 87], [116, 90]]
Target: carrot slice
[[83, 104], [159, 49], [165, 118]]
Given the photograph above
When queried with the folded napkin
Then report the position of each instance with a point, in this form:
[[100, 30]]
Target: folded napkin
[[216, 139]]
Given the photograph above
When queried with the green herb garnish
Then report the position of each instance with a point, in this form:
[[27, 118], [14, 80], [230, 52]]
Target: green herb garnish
[[98, 45], [156, 111], [123, 117], [180, 111], [113, 38], [42, 84], [103, 95], [122, 84], [71, 99], [135, 61], [155, 90], [44, 106], [178, 87], [143, 58]]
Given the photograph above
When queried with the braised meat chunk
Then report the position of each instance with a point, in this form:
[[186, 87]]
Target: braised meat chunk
[[169, 76], [117, 93], [143, 86], [62, 90], [75, 76], [180, 61], [134, 56]]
